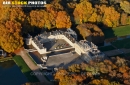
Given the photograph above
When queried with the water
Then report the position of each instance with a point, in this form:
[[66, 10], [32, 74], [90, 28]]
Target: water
[[10, 74]]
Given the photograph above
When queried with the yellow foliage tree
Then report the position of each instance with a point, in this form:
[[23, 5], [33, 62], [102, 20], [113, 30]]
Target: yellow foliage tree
[[10, 39], [110, 16], [83, 12]]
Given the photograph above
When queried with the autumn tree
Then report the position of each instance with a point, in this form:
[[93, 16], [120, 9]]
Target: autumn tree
[[10, 39], [84, 12], [125, 5], [104, 82], [63, 77], [124, 18], [95, 82], [110, 17], [63, 20], [91, 32], [43, 20], [74, 68], [8, 13], [128, 20]]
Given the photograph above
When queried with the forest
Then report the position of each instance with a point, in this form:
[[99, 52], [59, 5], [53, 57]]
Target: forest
[[87, 17], [80, 15], [114, 71]]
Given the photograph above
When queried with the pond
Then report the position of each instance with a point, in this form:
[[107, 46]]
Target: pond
[[10, 74]]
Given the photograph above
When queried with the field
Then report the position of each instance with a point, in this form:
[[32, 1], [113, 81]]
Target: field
[[117, 31], [25, 69]]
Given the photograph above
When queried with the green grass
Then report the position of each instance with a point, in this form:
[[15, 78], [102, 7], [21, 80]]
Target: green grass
[[25, 69], [125, 43], [106, 48], [117, 31]]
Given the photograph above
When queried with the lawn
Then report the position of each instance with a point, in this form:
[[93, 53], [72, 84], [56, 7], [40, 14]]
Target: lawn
[[25, 69], [117, 31], [106, 48], [125, 43]]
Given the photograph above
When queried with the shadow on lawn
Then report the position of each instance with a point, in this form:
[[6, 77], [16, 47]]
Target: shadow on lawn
[[108, 32]]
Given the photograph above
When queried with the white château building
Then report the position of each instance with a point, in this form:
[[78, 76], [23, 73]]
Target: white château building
[[48, 42]]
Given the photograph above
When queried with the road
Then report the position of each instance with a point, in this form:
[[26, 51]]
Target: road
[[33, 67]]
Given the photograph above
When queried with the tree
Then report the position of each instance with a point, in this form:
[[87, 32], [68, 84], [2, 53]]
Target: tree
[[43, 20], [125, 5], [91, 32], [17, 14], [8, 13], [93, 18], [63, 20], [74, 68], [124, 17], [95, 82], [64, 78], [38, 20], [123, 69], [104, 82], [110, 17], [128, 20], [10, 39], [83, 12]]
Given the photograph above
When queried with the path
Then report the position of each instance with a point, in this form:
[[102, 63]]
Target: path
[[118, 38], [117, 52], [32, 66]]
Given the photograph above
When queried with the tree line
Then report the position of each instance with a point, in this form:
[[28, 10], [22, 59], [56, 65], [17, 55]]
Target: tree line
[[15, 22], [115, 71]]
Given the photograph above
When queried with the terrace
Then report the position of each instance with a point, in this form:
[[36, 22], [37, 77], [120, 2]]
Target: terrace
[[63, 60]]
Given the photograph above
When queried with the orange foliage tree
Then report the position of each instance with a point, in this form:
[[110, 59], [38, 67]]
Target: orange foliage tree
[[63, 20], [10, 39]]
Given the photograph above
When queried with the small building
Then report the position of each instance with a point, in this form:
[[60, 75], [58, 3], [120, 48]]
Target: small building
[[3, 53]]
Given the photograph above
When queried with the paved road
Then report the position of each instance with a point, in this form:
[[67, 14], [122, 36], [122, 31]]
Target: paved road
[[33, 67]]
